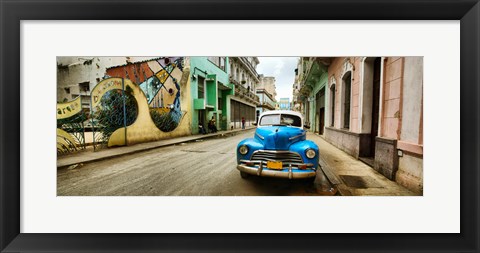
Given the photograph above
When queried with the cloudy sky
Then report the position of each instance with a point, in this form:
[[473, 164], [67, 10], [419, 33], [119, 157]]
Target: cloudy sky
[[283, 69]]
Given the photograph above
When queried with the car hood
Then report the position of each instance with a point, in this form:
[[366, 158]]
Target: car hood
[[279, 137]]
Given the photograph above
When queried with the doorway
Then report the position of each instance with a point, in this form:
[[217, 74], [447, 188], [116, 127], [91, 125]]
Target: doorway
[[332, 105], [202, 119], [320, 113], [322, 120], [375, 104], [371, 107], [347, 88]]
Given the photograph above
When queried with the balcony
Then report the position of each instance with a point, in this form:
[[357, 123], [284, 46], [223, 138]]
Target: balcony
[[268, 106], [246, 94], [199, 104]]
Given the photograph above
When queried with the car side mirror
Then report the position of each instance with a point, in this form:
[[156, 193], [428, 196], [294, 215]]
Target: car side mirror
[[306, 126]]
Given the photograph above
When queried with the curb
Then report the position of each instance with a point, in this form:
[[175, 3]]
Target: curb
[[133, 151], [332, 178]]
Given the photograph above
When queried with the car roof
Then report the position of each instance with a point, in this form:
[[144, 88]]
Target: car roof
[[282, 112]]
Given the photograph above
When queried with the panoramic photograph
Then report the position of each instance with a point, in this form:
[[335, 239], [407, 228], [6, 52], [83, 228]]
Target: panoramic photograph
[[239, 126]]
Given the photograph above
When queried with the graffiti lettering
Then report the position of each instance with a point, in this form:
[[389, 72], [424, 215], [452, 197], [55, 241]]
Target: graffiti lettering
[[105, 86], [68, 109]]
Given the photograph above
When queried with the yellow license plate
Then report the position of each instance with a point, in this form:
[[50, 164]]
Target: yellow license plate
[[274, 165]]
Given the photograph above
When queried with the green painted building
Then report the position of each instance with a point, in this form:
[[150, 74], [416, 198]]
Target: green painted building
[[209, 90], [313, 88]]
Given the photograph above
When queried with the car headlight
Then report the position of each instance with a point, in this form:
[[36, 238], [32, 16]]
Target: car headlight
[[310, 153], [243, 149]]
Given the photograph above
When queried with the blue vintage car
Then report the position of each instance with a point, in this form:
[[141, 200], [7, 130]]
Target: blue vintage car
[[279, 148]]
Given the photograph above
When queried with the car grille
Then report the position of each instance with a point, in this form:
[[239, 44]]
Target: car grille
[[284, 156]]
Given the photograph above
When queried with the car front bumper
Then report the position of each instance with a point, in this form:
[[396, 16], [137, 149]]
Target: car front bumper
[[291, 171]]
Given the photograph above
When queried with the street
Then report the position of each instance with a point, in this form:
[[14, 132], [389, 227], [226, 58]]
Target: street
[[201, 168]]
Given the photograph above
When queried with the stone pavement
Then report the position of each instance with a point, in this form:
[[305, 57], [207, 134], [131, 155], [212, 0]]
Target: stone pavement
[[89, 156], [352, 177]]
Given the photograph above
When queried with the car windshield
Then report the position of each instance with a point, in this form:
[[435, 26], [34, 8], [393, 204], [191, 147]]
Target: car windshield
[[280, 120]]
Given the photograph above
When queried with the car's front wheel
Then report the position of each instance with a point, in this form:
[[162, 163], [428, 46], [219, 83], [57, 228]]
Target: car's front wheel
[[244, 174]]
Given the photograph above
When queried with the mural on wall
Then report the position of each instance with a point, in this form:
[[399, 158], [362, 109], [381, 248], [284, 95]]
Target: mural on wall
[[70, 127], [113, 106], [134, 103], [158, 79]]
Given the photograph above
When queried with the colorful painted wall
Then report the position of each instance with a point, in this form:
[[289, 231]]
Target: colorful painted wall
[[203, 69], [70, 129], [317, 78], [163, 99]]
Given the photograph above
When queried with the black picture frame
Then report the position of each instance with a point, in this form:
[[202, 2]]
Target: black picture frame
[[12, 12]]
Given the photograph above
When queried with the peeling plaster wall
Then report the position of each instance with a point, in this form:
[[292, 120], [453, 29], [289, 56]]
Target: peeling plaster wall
[[392, 89], [76, 70], [410, 172], [410, 168], [412, 105], [268, 83], [336, 70]]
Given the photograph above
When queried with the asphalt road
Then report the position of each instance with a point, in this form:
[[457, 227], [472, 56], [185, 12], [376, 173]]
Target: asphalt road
[[201, 168]]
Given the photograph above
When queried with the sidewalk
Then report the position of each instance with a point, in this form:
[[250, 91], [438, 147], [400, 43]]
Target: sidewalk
[[351, 176], [107, 153]]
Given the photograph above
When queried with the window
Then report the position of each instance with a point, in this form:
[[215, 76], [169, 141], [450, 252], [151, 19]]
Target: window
[[222, 63], [332, 112], [67, 90], [347, 81], [201, 87], [85, 86], [270, 120], [218, 61], [281, 120]]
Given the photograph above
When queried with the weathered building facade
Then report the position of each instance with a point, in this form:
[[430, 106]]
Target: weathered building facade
[[377, 106], [268, 83], [370, 107], [76, 76], [211, 91], [267, 101], [243, 103], [297, 97], [266, 92], [309, 91]]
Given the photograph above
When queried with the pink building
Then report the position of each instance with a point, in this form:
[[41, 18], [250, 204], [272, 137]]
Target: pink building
[[375, 113]]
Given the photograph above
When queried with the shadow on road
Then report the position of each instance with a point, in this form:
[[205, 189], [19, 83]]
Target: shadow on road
[[286, 187]]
